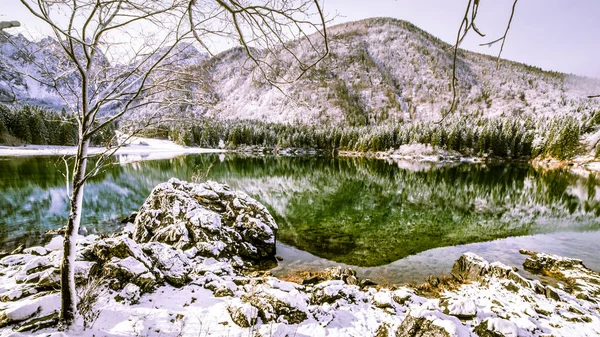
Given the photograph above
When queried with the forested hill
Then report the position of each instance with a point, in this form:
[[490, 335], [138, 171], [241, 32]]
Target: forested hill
[[383, 85], [384, 69], [378, 70]]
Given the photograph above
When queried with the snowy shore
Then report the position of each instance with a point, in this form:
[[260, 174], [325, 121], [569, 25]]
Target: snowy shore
[[187, 266], [149, 148], [413, 155]]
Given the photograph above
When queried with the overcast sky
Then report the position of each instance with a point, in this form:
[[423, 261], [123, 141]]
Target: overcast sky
[[558, 35]]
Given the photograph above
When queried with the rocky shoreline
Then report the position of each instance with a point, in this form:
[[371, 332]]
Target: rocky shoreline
[[187, 265], [426, 154]]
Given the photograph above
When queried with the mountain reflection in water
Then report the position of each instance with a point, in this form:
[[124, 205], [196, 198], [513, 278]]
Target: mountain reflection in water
[[355, 211]]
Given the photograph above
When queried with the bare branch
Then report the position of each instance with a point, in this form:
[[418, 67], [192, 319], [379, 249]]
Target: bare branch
[[503, 37], [468, 24]]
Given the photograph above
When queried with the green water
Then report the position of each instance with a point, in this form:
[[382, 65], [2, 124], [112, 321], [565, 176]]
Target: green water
[[354, 211]]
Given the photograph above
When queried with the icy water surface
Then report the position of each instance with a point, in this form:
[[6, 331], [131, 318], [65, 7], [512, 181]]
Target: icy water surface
[[393, 222]]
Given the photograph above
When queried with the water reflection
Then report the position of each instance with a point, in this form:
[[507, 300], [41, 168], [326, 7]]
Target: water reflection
[[355, 211]]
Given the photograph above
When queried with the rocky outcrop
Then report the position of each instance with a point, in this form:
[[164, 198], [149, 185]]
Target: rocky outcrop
[[179, 231], [470, 267], [179, 224], [576, 277], [208, 218]]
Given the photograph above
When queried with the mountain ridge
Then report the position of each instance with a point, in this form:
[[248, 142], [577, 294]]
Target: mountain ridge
[[379, 71], [382, 70]]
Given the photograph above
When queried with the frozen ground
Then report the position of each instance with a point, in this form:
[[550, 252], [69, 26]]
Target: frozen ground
[[220, 302], [137, 148]]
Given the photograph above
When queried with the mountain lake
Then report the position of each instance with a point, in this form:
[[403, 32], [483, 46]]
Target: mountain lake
[[394, 222]]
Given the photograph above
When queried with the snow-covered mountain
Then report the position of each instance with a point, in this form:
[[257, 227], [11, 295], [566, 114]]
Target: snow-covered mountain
[[379, 71], [388, 70], [29, 69], [22, 60]]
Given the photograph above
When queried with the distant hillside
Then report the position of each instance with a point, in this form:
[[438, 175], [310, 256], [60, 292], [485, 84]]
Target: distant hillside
[[379, 70], [24, 64], [383, 84], [385, 69]]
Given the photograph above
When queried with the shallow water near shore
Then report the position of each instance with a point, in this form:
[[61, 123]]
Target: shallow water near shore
[[393, 222]]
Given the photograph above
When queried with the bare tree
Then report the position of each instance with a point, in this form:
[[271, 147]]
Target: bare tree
[[468, 24], [111, 57]]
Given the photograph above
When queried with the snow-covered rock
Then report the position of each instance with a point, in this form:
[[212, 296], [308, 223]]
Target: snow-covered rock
[[121, 247], [242, 313], [128, 270], [39, 306], [276, 304], [131, 293], [582, 282], [466, 308], [471, 267], [36, 250], [497, 327], [423, 322], [216, 221], [173, 263]]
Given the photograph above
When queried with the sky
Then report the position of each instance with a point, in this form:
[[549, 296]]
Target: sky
[[557, 35]]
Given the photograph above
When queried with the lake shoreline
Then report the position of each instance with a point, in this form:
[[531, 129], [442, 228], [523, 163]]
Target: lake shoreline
[[151, 149], [153, 279], [427, 154]]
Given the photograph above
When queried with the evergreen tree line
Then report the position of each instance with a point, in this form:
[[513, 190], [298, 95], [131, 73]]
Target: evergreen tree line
[[512, 138], [499, 137], [30, 124]]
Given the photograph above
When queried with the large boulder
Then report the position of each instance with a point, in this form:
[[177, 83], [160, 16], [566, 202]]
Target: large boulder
[[575, 276], [471, 267], [209, 217]]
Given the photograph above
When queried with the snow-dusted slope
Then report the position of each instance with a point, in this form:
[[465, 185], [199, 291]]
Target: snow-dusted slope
[[385, 69], [20, 61], [379, 71], [30, 70]]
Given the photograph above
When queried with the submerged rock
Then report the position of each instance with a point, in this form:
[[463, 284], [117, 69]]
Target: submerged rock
[[210, 217]]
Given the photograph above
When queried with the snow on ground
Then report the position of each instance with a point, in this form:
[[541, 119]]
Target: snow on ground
[[219, 301], [137, 149]]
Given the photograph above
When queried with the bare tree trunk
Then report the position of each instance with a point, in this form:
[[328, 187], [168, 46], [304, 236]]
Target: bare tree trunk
[[67, 270]]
